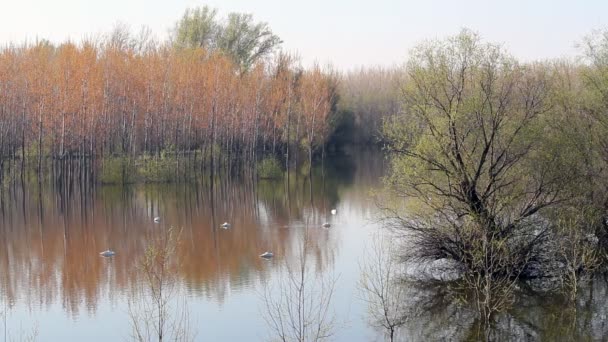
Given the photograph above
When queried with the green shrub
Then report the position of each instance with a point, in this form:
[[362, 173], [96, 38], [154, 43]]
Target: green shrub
[[217, 151], [117, 170], [305, 168], [156, 169], [269, 168]]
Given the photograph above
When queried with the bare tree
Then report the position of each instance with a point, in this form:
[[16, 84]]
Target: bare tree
[[157, 314], [22, 335], [298, 308], [381, 288]]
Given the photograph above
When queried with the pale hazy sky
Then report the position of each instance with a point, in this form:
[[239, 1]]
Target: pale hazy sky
[[344, 33]]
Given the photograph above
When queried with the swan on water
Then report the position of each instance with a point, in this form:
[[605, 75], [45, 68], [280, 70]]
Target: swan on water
[[333, 211], [107, 253], [225, 225], [266, 255], [157, 219], [326, 225]]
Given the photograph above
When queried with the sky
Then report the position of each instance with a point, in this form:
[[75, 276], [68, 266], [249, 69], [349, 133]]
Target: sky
[[344, 33]]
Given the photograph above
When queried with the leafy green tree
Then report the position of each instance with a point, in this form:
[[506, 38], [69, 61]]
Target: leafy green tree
[[240, 37], [245, 40], [197, 28], [469, 163], [591, 110]]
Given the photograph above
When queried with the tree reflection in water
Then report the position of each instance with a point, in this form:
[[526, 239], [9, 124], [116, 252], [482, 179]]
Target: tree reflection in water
[[51, 238], [52, 235], [435, 312]]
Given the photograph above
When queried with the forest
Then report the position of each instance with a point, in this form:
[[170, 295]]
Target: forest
[[125, 105]]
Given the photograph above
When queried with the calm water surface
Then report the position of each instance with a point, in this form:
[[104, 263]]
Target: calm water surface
[[54, 281]]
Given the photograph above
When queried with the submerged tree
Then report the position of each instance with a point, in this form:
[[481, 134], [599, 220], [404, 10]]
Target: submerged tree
[[298, 308], [381, 288], [158, 314], [467, 161]]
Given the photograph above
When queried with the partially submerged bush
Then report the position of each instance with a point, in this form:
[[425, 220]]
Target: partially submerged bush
[[156, 170], [269, 168], [117, 170]]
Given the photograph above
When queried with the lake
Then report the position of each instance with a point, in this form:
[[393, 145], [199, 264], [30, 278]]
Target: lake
[[56, 286], [55, 283]]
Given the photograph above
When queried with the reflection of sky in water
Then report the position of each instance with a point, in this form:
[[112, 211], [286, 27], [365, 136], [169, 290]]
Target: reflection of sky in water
[[56, 279]]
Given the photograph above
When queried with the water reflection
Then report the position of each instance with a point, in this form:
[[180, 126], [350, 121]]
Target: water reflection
[[434, 312], [51, 269], [52, 237]]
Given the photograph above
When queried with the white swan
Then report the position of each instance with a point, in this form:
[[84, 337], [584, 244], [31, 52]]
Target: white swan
[[225, 225], [326, 225], [107, 253], [333, 211], [157, 219], [266, 255]]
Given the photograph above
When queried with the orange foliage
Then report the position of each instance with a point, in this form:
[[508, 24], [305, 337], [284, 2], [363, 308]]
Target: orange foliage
[[99, 98]]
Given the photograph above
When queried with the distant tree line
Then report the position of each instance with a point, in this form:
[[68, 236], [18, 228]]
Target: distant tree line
[[368, 96]]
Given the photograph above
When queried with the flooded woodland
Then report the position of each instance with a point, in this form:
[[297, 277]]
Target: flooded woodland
[[210, 185]]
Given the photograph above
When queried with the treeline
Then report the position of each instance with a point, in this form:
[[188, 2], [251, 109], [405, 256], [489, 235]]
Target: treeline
[[368, 96], [127, 102]]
